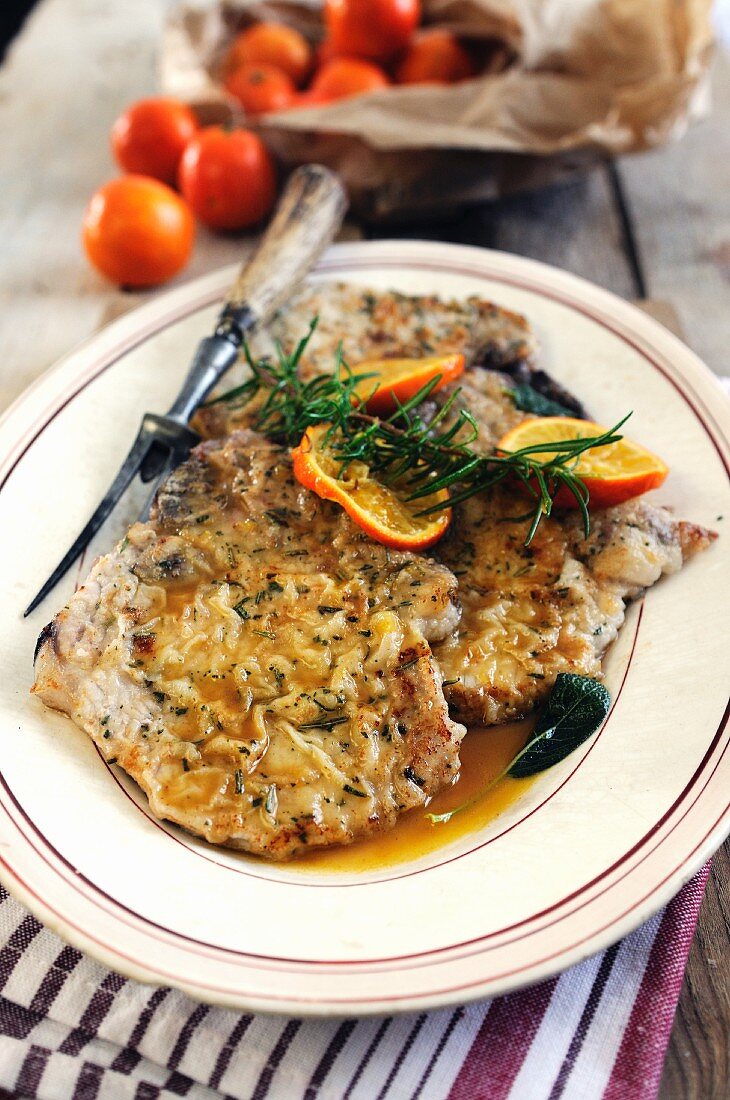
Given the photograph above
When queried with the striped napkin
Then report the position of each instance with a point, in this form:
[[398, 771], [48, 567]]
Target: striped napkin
[[69, 1028]]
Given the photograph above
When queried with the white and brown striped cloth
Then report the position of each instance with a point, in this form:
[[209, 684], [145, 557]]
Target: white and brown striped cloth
[[72, 1030]]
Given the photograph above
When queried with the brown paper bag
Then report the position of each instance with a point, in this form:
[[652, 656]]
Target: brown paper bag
[[567, 82]]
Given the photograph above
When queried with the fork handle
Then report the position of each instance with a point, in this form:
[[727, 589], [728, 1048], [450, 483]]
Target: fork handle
[[308, 216]]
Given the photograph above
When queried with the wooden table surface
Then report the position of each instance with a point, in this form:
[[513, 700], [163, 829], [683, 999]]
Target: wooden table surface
[[654, 226]]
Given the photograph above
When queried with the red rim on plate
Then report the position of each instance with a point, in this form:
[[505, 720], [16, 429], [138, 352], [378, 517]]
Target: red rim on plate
[[597, 909]]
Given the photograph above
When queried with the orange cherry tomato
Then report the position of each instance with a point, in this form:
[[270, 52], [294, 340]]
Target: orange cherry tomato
[[228, 178], [261, 88], [375, 29], [434, 57], [324, 52], [150, 136], [272, 44], [347, 76], [307, 98], [137, 231]]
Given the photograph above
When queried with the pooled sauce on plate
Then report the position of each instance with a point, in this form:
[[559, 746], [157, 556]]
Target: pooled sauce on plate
[[484, 754]]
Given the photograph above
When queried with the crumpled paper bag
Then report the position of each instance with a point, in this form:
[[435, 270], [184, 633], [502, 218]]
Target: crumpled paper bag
[[566, 82]]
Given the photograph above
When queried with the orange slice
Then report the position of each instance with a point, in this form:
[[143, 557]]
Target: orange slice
[[402, 379], [612, 473], [382, 511]]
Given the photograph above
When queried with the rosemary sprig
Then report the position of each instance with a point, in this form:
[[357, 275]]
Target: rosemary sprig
[[415, 451], [289, 405]]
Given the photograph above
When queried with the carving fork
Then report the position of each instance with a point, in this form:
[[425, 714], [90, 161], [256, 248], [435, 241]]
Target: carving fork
[[308, 216]]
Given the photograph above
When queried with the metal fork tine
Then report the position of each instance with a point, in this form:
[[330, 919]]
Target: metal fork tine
[[310, 211], [126, 472], [154, 461], [173, 458]]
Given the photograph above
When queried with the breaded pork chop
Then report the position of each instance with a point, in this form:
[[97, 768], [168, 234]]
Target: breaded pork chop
[[529, 613], [379, 325], [256, 663]]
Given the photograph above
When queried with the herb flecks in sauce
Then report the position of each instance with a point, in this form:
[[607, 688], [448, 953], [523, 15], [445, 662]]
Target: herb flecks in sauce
[[271, 661]]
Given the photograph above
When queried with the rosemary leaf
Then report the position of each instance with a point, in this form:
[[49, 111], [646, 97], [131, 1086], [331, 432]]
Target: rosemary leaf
[[411, 451]]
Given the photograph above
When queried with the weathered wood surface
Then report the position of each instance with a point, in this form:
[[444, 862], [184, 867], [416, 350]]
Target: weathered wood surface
[[697, 1066], [573, 225], [679, 199], [95, 56]]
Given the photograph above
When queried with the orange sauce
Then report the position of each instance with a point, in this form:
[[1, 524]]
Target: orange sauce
[[177, 599], [485, 753]]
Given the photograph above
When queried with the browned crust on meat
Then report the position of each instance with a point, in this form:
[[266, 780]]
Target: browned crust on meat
[[250, 639], [694, 538], [383, 325]]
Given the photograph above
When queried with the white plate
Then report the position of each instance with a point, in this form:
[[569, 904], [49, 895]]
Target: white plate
[[594, 847]]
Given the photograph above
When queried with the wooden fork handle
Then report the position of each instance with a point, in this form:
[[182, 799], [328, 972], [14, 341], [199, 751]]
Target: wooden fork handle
[[308, 216]]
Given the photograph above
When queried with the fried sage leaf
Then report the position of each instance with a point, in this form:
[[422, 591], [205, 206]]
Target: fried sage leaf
[[576, 708], [532, 401]]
